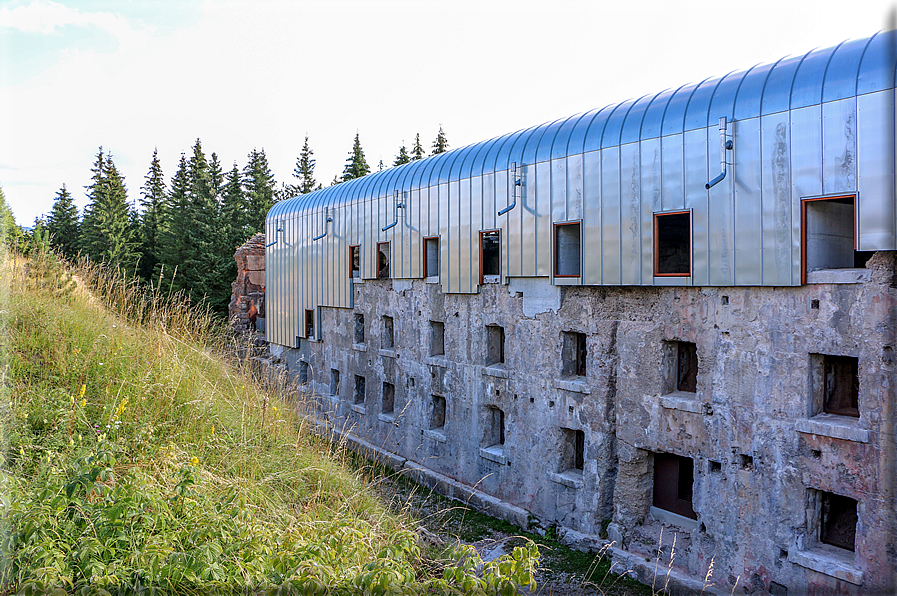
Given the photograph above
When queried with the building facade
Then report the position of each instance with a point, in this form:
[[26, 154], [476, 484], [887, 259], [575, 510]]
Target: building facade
[[676, 313]]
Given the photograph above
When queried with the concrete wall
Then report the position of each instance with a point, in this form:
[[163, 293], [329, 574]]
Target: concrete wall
[[762, 453]]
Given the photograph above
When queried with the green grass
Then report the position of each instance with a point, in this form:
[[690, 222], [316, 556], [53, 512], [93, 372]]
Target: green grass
[[137, 456]]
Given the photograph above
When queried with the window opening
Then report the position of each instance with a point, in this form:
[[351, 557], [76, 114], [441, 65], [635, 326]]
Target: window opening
[[383, 260], [495, 427], [574, 354], [495, 344], [310, 324], [431, 257], [355, 261], [567, 250], [838, 521], [686, 366], [437, 412], [359, 328], [573, 454], [358, 395], [828, 235], [388, 402], [841, 385], [437, 338], [388, 334], [673, 481], [334, 381], [490, 255], [672, 244]]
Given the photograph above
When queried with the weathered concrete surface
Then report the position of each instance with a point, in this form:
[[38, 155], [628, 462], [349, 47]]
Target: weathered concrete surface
[[759, 446], [249, 287]]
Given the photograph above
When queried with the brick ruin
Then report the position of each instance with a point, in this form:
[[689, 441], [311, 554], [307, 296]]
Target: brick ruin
[[249, 286]]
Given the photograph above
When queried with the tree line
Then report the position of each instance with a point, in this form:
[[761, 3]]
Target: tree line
[[182, 233]]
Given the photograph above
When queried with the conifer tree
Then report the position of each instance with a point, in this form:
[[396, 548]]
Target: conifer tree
[[402, 157], [417, 151], [153, 217], [216, 178], [177, 243], [63, 224], [233, 231], [305, 170], [9, 231], [440, 145], [258, 188], [380, 166], [107, 233], [335, 180], [356, 165]]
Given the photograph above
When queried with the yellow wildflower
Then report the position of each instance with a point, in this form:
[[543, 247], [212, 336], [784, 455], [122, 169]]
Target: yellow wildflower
[[213, 429], [83, 401], [274, 408], [194, 461], [81, 392]]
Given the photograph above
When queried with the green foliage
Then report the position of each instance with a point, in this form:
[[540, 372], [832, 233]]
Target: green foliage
[[63, 224], [356, 165], [153, 218], [107, 234], [258, 188], [440, 145], [402, 157], [417, 151], [305, 170]]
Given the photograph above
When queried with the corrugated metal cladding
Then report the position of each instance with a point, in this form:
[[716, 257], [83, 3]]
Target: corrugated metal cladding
[[807, 126]]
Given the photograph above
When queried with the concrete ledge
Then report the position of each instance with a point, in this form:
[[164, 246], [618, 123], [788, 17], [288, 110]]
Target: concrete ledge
[[390, 418], [491, 279], [494, 371], [357, 280], [358, 408], [438, 361], [836, 427], [433, 279], [572, 385], [360, 347], [651, 572], [436, 435], [682, 401], [674, 519], [494, 453], [839, 276], [828, 561], [387, 353], [569, 478]]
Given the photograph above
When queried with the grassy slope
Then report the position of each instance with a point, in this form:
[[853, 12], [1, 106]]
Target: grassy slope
[[135, 456]]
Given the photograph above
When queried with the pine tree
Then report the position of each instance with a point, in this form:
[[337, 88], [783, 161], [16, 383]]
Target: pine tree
[[402, 157], [107, 233], [176, 240], [234, 231], [258, 186], [153, 217], [63, 224], [216, 178], [440, 145], [356, 165], [305, 170], [9, 231], [417, 152]]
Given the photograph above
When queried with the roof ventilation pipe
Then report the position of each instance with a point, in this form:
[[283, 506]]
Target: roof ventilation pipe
[[724, 145], [326, 220], [518, 182], [399, 205]]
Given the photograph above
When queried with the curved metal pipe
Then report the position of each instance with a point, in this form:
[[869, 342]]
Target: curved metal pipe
[[398, 206], [270, 244], [517, 182], [724, 145], [316, 238], [717, 180]]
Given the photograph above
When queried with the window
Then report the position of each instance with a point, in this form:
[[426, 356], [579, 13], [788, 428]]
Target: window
[[437, 338], [828, 237], [567, 252], [573, 449], [490, 256], [680, 366], [495, 427], [355, 261], [334, 381], [431, 257], [358, 395], [837, 520], [835, 384], [388, 402], [672, 244], [437, 412], [310, 324], [359, 328], [388, 339], [383, 260], [673, 480], [495, 345], [574, 354]]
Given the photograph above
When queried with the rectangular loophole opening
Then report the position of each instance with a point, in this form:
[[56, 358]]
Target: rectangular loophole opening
[[431, 257], [495, 427], [680, 368], [310, 324], [573, 449], [673, 482], [437, 338], [835, 384], [334, 381], [358, 335], [359, 393], [672, 244], [437, 412], [567, 250], [354, 261], [495, 345], [490, 255], [383, 259], [388, 340], [574, 354], [838, 520], [388, 401]]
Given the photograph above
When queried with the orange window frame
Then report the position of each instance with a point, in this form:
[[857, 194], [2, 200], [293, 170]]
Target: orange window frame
[[556, 252], [803, 229], [656, 242]]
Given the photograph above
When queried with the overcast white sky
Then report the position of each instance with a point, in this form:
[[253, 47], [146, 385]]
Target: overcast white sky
[[134, 75]]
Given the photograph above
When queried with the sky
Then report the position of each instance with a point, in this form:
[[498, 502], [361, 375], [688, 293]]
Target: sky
[[133, 76]]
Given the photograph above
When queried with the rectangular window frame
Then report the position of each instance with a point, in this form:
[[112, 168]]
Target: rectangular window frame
[[309, 324], [355, 257], [495, 345], [383, 268], [804, 203], [483, 274], [387, 398], [657, 216], [557, 251], [429, 269]]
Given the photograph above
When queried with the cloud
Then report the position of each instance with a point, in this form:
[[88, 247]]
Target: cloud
[[47, 17]]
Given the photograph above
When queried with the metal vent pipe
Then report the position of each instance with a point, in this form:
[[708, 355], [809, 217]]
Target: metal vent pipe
[[724, 144]]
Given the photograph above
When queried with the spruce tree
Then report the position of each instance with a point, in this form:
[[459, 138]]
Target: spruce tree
[[153, 218], [9, 231], [417, 151], [107, 232], [216, 178], [233, 231], [356, 165], [305, 170], [380, 166], [402, 157], [335, 180], [63, 224], [258, 186], [440, 145], [177, 245]]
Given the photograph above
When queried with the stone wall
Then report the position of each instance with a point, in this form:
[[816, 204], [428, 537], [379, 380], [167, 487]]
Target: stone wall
[[250, 284]]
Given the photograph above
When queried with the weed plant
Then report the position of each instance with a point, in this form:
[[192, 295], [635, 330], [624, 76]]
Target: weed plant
[[137, 458]]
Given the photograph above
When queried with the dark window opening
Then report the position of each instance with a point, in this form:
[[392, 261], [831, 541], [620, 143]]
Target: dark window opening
[[354, 261], [437, 412], [829, 235], [686, 366], [334, 381], [490, 253], [838, 521], [431, 257], [359, 328], [672, 244], [310, 324], [495, 344], [388, 338], [383, 260], [388, 403], [303, 372], [358, 396], [573, 455], [495, 427], [567, 250], [437, 338], [574, 354], [673, 480], [841, 388]]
